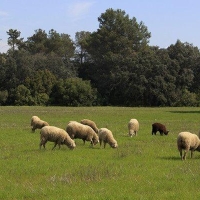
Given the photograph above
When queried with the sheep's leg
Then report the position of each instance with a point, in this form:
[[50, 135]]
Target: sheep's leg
[[191, 154], [104, 144], [181, 154], [42, 143], [59, 145], [100, 141], [54, 145], [92, 143], [184, 156]]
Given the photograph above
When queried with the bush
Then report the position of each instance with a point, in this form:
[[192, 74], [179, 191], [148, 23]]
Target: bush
[[23, 96], [3, 96], [187, 98], [74, 92]]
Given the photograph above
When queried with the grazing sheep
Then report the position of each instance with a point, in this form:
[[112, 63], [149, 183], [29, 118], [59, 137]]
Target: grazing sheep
[[187, 141], [90, 123], [106, 136], [37, 123], [133, 127], [57, 135], [159, 127], [81, 131]]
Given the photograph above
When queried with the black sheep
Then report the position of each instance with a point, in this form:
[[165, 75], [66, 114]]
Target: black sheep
[[159, 127]]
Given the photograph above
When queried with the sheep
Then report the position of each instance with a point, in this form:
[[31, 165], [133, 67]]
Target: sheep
[[90, 123], [187, 141], [159, 127], [57, 135], [133, 127], [81, 131], [106, 136], [37, 123]]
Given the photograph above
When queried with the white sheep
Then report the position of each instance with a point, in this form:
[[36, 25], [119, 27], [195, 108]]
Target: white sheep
[[187, 141], [106, 136], [133, 127], [81, 131], [57, 135], [37, 123], [90, 123]]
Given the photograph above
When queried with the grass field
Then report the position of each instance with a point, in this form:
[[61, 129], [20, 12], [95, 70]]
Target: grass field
[[143, 167]]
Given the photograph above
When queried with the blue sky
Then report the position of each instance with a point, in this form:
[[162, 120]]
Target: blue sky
[[167, 20]]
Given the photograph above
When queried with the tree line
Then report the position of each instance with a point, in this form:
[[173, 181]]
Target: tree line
[[115, 65]]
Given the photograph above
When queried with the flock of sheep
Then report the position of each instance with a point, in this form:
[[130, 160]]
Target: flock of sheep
[[88, 131], [85, 130]]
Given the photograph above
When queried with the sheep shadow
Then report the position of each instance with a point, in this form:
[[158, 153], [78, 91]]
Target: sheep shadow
[[178, 158], [189, 112], [170, 158]]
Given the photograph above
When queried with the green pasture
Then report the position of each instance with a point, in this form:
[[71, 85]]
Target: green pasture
[[143, 167]]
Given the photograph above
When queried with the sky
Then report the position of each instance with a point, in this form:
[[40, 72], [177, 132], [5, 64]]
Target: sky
[[167, 20]]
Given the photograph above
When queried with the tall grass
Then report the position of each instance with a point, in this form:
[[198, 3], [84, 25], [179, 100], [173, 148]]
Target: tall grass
[[143, 167]]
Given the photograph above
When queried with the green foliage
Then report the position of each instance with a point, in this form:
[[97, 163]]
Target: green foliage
[[23, 96], [40, 85], [113, 48], [187, 99], [13, 39], [41, 42], [3, 97], [81, 55], [137, 168], [74, 92], [114, 65]]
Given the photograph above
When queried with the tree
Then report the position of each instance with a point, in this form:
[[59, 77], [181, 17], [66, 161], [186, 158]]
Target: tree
[[37, 42], [79, 93], [73, 92], [113, 49], [23, 96], [40, 85], [60, 44], [185, 55], [81, 43], [13, 39], [3, 97]]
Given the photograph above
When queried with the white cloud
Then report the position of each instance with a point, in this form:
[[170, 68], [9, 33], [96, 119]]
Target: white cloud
[[79, 9]]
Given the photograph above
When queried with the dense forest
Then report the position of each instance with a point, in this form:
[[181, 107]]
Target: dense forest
[[115, 65]]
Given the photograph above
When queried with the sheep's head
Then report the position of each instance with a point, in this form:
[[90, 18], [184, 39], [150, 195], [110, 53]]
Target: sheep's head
[[198, 148], [72, 145], [131, 133], [114, 144], [95, 141], [166, 133]]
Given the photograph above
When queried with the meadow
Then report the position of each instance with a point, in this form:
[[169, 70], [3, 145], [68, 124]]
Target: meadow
[[143, 167]]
